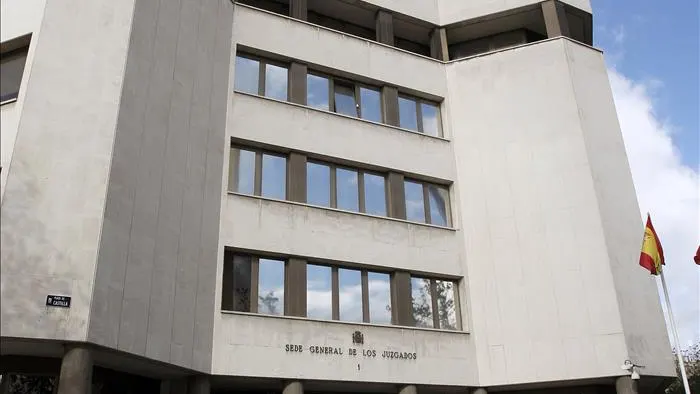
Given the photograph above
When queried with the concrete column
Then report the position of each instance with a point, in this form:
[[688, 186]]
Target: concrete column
[[390, 105], [480, 390], [199, 385], [297, 83], [295, 288], [401, 311], [555, 19], [5, 384], [438, 44], [174, 386], [397, 197], [298, 9], [385, 27], [625, 385], [408, 390], [76, 372], [296, 177], [294, 387]]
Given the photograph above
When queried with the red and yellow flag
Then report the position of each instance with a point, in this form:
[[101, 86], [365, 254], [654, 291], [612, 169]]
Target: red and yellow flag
[[652, 256]]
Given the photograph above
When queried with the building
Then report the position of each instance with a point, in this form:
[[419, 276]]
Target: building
[[318, 196]]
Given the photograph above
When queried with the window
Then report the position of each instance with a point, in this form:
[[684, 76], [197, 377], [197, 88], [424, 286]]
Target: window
[[350, 295], [347, 98], [433, 303], [258, 173], [253, 284], [418, 115], [261, 77], [332, 186], [427, 203], [11, 70], [379, 297], [319, 293]]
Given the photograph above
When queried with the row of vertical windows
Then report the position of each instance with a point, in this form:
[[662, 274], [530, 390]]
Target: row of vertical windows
[[257, 284], [330, 185], [271, 79]]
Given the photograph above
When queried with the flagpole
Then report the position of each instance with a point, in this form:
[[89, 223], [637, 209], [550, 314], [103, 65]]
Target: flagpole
[[675, 335]]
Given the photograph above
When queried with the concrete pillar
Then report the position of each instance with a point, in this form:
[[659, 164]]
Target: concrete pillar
[[294, 387], [199, 385], [438, 44], [5, 384], [410, 389], [298, 9], [385, 27], [397, 197], [390, 105], [480, 390], [555, 19], [174, 386], [297, 83], [76, 372], [625, 385], [297, 177], [295, 288], [401, 309]]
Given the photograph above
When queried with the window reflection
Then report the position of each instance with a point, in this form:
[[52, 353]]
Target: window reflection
[[319, 299], [271, 287], [429, 113], [274, 176], [421, 302], [241, 283], [371, 106], [438, 205], [246, 172], [276, 82], [415, 209], [447, 313], [350, 294], [246, 75], [317, 92], [345, 100], [408, 118], [347, 190], [318, 184], [375, 194], [379, 298]]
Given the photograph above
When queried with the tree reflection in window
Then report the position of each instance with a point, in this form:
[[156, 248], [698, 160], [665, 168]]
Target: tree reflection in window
[[421, 302]]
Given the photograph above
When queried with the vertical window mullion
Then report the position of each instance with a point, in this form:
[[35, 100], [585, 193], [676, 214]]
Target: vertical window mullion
[[358, 101], [361, 190], [261, 78], [257, 189], [335, 291], [426, 204], [334, 187], [331, 94], [365, 296], [433, 298], [419, 117], [233, 168], [254, 277]]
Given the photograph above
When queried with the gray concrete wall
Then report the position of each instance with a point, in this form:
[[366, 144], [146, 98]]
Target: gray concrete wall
[[156, 274]]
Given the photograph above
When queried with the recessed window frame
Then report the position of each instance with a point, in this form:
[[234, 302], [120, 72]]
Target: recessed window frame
[[419, 114], [15, 47], [426, 202], [356, 88], [257, 177], [228, 274], [360, 186], [262, 69]]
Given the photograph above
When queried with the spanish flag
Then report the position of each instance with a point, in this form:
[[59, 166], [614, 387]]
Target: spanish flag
[[652, 257]]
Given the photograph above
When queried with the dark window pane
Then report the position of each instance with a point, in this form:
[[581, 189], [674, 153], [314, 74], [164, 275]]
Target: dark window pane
[[319, 300], [318, 184], [346, 189], [241, 283], [246, 75], [431, 125], [345, 100], [317, 92], [447, 311], [421, 302], [271, 287], [246, 172], [11, 70], [408, 119], [415, 210], [371, 106], [350, 295], [274, 176], [375, 195], [439, 204], [379, 298], [276, 82]]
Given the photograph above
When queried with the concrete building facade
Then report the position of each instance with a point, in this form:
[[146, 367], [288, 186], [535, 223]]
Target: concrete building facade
[[318, 195]]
